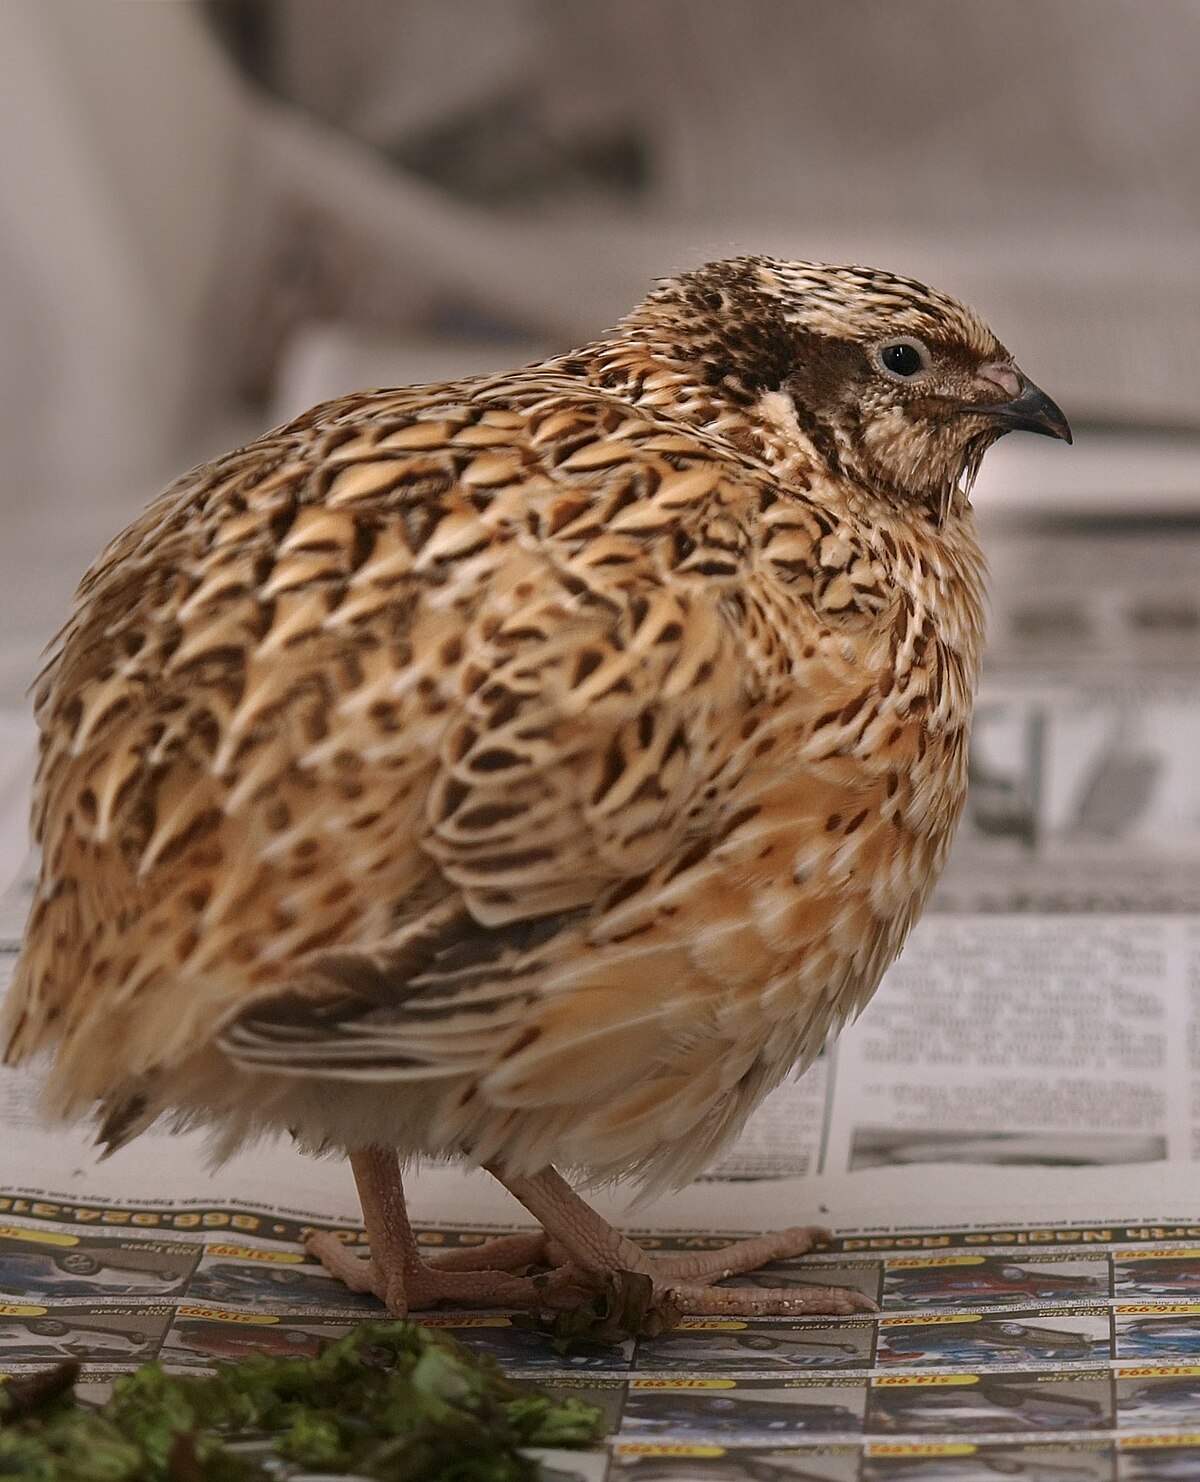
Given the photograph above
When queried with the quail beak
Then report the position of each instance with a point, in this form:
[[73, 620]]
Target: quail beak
[[1028, 408]]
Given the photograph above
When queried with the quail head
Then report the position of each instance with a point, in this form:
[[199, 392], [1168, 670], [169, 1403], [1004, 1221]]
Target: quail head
[[531, 770]]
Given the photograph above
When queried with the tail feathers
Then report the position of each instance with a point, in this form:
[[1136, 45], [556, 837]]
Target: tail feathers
[[122, 1119], [14, 1042], [435, 1004]]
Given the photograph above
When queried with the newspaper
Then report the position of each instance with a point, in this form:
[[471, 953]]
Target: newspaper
[[1005, 1144]]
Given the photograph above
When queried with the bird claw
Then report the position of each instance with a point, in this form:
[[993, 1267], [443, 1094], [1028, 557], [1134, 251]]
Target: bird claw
[[813, 1301], [741, 1255], [501, 1253], [356, 1272], [479, 1277], [623, 1304]]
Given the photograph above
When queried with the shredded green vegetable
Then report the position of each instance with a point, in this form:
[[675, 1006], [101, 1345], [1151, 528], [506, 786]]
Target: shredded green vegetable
[[392, 1401]]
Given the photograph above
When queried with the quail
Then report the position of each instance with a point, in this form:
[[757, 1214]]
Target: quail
[[531, 770]]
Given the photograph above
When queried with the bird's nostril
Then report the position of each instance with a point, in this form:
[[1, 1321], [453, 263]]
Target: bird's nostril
[[1004, 377]]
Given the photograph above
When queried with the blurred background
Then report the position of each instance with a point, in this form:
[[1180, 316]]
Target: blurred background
[[216, 212]]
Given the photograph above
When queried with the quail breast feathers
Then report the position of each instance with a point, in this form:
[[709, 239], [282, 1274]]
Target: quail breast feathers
[[533, 768]]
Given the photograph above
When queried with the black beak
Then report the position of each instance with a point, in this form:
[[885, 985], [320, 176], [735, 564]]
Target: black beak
[[1030, 411]]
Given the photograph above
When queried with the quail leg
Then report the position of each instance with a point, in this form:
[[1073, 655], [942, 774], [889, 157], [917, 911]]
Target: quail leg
[[400, 1276], [596, 1249]]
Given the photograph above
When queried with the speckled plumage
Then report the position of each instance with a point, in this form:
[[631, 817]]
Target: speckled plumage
[[535, 767]]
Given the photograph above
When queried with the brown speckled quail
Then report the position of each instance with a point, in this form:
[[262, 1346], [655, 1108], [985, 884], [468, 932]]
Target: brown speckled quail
[[532, 769]]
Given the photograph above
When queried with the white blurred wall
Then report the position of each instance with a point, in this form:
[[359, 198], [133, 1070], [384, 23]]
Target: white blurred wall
[[174, 240], [119, 141]]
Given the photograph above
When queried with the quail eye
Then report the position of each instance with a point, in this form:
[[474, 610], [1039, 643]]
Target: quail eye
[[903, 358]]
